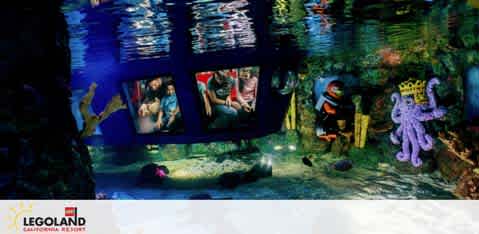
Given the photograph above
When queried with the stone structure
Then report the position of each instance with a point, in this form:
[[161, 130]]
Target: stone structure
[[38, 131]]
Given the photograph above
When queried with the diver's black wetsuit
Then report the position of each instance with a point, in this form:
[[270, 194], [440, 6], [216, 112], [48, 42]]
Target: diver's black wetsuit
[[326, 122]]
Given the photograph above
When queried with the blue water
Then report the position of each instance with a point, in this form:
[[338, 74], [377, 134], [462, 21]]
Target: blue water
[[119, 35], [221, 25]]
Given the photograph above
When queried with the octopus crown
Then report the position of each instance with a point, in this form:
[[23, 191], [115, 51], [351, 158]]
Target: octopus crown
[[415, 88]]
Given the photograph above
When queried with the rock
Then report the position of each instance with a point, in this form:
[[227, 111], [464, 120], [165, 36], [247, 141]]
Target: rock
[[343, 165], [429, 164], [450, 166], [234, 179], [230, 180], [48, 164], [153, 174], [257, 172], [468, 185], [127, 155]]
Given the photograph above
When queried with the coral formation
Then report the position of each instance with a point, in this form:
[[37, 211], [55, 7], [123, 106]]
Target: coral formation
[[468, 185], [91, 121]]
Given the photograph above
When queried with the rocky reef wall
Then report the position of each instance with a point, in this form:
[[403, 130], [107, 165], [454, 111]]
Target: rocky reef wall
[[444, 50], [42, 153]]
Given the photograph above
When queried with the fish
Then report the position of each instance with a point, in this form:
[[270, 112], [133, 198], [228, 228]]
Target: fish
[[307, 161], [343, 165]]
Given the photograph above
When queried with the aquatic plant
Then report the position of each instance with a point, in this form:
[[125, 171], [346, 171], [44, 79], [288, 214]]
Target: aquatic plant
[[91, 121]]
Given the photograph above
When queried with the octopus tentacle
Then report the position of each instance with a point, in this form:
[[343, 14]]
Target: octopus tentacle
[[424, 140], [405, 154], [439, 112], [415, 160], [424, 116], [430, 92], [396, 112], [394, 136]]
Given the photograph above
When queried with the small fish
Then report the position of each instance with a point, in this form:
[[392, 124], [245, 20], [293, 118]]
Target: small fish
[[307, 161], [343, 165]]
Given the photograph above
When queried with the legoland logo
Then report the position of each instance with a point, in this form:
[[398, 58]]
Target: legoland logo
[[23, 222], [16, 214]]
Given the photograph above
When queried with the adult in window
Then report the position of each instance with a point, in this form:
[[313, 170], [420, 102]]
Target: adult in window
[[219, 92], [153, 93]]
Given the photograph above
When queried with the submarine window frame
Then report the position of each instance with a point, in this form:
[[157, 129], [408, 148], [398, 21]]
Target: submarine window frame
[[204, 119], [126, 96]]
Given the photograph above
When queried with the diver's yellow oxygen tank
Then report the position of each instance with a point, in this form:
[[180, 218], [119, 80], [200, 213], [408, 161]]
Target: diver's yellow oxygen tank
[[290, 120], [361, 124], [357, 120], [364, 130], [357, 129]]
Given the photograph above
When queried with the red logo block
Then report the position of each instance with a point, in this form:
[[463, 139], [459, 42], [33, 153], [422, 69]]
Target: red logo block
[[70, 211]]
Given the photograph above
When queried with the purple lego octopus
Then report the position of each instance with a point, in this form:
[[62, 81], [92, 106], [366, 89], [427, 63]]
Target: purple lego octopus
[[411, 132]]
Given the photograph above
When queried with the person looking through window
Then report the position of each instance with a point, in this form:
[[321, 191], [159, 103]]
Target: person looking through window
[[153, 94], [247, 87], [169, 114], [219, 92]]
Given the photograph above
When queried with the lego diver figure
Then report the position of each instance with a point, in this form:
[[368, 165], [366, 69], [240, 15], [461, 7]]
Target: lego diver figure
[[328, 110]]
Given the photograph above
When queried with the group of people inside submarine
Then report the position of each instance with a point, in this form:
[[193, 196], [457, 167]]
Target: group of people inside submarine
[[229, 96], [228, 99]]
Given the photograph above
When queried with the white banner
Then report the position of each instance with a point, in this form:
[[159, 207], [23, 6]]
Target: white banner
[[239, 217]]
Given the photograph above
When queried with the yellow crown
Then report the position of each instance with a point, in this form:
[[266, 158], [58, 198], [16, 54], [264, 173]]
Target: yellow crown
[[415, 88]]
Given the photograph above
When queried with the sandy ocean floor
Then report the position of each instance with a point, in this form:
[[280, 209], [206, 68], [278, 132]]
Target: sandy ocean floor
[[198, 173]]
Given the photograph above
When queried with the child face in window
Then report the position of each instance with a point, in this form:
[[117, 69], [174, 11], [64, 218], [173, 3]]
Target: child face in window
[[171, 90]]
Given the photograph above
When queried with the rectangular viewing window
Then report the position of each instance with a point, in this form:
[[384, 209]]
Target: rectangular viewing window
[[153, 105], [229, 97]]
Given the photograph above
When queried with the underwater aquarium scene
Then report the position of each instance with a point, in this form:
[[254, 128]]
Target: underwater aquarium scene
[[241, 100]]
